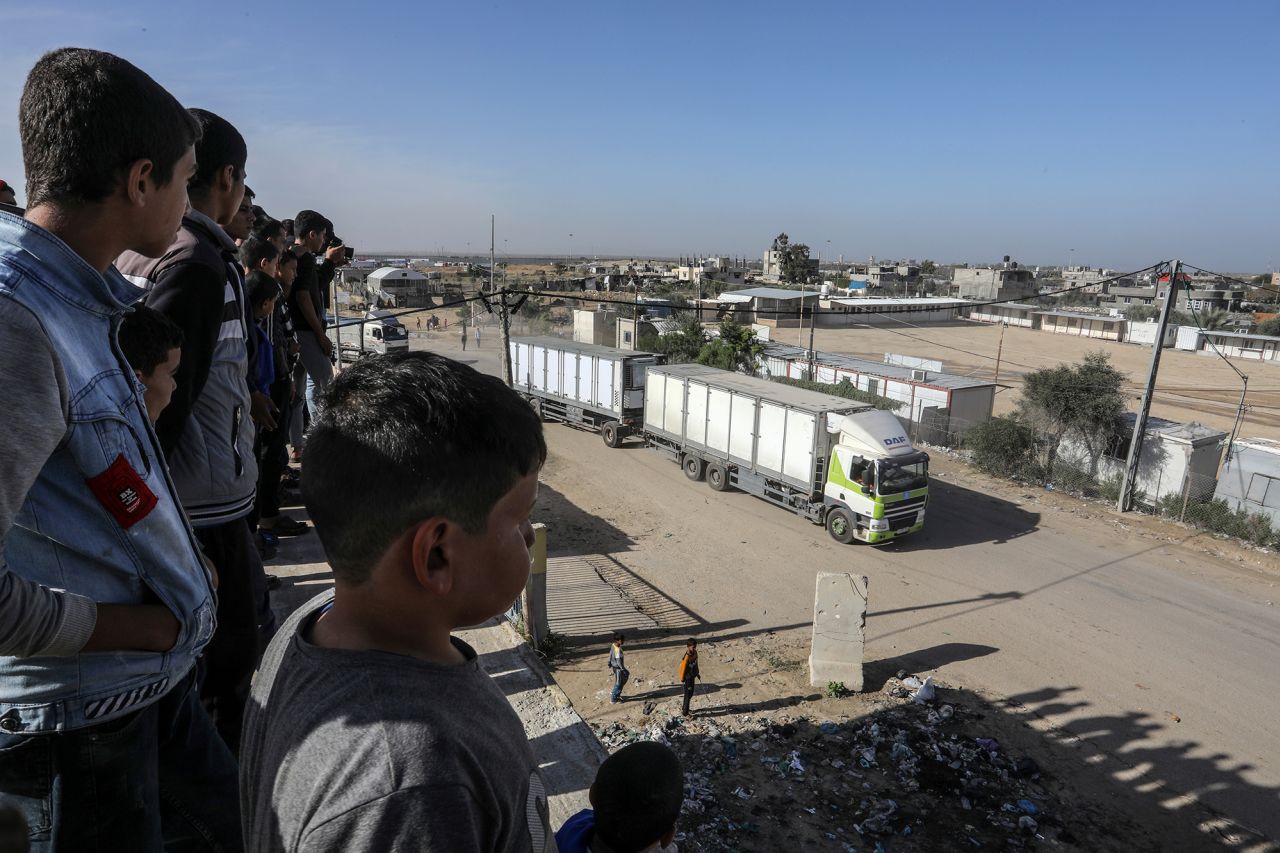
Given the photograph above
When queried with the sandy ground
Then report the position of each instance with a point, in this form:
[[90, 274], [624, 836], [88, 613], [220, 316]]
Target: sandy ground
[[1127, 655], [1190, 386]]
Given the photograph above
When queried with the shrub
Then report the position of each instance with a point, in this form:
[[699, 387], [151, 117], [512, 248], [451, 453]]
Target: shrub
[[1004, 447]]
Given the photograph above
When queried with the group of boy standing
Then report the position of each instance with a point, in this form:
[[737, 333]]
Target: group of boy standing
[[132, 598]]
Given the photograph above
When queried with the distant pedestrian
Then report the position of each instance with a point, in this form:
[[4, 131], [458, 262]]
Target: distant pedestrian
[[618, 663], [689, 672], [477, 337], [464, 337]]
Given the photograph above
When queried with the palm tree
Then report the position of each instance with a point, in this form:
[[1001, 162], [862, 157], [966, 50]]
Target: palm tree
[[1215, 320]]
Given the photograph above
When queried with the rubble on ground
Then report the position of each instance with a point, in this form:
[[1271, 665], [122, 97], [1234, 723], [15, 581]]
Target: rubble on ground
[[918, 773]]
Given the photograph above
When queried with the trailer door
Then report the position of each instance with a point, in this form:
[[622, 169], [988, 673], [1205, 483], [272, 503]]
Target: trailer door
[[773, 429], [605, 388], [719, 406], [695, 422], [742, 429], [798, 457]]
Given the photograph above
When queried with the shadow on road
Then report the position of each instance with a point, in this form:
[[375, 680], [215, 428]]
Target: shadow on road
[[876, 673], [959, 516], [576, 531]]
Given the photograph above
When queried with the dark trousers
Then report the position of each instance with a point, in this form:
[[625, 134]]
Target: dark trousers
[[688, 694], [272, 456], [232, 654], [157, 779]]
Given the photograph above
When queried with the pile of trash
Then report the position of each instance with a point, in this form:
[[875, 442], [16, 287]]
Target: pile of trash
[[916, 773]]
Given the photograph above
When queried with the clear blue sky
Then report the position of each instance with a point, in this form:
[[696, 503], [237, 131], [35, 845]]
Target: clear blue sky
[[1130, 132]]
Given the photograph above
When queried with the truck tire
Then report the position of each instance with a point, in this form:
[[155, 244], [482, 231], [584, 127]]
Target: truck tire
[[841, 526], [694, 468], [718, 476], [611, 432]]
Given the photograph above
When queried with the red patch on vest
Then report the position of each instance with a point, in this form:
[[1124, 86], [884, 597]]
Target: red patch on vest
[[123, 493]]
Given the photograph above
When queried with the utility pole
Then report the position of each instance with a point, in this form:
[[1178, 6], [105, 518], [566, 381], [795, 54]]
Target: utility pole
[[1125, 502], [813, 321], [999, 351], [491, 256], [504, 314], [1235, 428]]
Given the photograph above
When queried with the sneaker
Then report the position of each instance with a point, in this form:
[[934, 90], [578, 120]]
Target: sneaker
[[286, 526]]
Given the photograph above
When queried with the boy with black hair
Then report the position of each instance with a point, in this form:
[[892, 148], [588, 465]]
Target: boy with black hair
[[8, 195], [273, 458], [207, 431], [257, 254], [152, 345], [263, 292], [98, 711], [240, 224], [311, 236], [688, 672], [618, 664], [635, 802], [370, 727]]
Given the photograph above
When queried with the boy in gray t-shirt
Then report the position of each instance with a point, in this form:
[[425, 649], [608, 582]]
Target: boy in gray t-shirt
[[370, 727]]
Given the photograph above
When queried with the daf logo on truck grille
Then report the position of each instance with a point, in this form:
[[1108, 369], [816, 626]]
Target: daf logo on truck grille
[[894, 442]]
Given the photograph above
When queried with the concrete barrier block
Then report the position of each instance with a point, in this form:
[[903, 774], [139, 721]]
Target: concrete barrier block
[[839, 624], [534, 599]]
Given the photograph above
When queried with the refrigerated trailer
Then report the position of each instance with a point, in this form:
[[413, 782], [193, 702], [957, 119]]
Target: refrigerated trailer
[[597, 387], [842, 464]]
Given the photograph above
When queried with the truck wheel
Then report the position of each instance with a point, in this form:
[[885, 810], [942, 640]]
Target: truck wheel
[[841, 526], [718, 477], [536, 405], [611, 432], [694, 468]]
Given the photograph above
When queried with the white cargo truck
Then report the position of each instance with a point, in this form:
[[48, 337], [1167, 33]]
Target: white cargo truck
[[598, 387], [837, 462], [380, 332]]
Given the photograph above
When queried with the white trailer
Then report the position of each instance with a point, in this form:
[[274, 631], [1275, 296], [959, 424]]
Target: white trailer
[[598, 387], [837, 462]]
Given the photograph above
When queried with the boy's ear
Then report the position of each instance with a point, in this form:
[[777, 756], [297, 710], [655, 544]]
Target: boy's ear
[[141, 378], [137, 182], [430, 550], [226, 178]]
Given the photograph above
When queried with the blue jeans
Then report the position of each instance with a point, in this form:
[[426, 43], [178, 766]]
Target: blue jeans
[[159, 779], [620, 677]]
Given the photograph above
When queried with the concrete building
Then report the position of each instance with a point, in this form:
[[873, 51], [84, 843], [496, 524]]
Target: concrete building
[[1007, 281], [1086, 279], [1250, 480], [1174, 457], [591, 326], [1099, 326], [1225, 297], [772, 258], [628, 335], [941, 406]]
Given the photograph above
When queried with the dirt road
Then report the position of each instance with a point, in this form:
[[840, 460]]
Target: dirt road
[[1111, 629]]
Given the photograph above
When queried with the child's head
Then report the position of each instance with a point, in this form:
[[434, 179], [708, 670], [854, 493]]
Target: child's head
[[286, 270], [263, 291], [636, 798], [257, 253], [97, 131], [691, 645], [619, 639], [152, 343], [420, 476]]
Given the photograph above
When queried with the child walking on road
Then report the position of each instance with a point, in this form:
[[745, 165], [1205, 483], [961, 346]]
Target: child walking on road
[[689, 672], [617, 663]]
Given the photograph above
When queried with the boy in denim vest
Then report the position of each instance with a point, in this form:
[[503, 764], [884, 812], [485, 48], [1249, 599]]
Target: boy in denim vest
[[104, 600]]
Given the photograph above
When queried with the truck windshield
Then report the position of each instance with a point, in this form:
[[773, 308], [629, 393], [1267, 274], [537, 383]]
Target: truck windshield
[[895, 479], [394, 333]]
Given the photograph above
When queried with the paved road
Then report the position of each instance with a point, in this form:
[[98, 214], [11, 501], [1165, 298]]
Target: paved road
[[1120, 631], [1154, 651]]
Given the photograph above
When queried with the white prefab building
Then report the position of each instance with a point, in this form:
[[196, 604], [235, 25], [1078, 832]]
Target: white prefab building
[[398, 286], [868, 311], [1174, 457], [1242, 345], [1145, 333], [1010, 313], [1082, 325], [941, 405], [1251, 478], [1189, 338]]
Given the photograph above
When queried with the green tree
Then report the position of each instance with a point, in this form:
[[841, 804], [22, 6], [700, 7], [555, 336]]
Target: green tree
[[795, 263], [928, 268], [1084, 399], [736, 349], [1215, 321], [681, 346], [1269, 327]]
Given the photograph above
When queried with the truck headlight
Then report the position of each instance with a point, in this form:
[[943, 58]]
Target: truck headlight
[[879, 524]]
